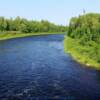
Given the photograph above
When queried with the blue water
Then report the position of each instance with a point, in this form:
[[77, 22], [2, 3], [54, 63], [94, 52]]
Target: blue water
[[36, 68]]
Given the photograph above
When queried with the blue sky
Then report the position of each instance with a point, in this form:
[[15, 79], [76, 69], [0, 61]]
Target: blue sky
[[57, 11]]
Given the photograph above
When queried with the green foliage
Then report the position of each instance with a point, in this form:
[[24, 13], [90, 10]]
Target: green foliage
[[29, 26], [85, 32], [85, 26]]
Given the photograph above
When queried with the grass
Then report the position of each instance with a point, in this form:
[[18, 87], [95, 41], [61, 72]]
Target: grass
[[11, 35], [80, 53]]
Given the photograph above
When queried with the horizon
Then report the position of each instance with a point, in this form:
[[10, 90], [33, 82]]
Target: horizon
[[56, 11]]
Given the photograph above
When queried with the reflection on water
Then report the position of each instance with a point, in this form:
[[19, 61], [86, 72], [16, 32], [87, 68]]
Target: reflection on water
[[37, 68]]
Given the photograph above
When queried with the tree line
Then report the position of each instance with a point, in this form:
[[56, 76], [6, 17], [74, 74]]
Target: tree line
[[28, 26], [85, 31], [85, 27]]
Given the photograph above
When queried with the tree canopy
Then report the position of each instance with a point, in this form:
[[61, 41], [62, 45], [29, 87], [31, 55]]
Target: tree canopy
[[85, 27], [84, 38], [28, 26]]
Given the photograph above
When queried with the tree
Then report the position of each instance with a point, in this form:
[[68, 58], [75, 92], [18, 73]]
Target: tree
[[29, 26]]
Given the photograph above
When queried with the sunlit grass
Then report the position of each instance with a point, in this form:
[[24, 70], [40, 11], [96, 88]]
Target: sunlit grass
[[79, 52], [10, 35]]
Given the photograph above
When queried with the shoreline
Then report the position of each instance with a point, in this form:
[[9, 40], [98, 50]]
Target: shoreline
[[82, 59], [6, 36], [89, 65]]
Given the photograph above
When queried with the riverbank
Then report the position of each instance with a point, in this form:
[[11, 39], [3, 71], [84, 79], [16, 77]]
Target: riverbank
[[6, 36], [79, 53]]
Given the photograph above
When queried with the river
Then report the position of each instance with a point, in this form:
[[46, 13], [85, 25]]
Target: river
[[36, 68]]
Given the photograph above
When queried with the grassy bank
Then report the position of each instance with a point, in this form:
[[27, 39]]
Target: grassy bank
[[11, 35], [80, 53]]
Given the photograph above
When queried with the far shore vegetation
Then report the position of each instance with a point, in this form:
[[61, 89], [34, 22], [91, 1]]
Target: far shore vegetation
[[21, 27], [12, 34], [83, 39]]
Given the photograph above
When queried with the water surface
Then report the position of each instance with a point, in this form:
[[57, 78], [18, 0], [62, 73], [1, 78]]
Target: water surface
[[36, 68]]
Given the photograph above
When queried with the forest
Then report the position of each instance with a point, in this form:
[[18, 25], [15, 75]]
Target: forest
[[21, 27], [83, 39], [28, 26]]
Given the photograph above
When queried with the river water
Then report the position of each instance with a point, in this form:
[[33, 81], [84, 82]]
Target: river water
[[36, 68]]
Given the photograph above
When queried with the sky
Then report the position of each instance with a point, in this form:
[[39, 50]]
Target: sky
[[56, 11]]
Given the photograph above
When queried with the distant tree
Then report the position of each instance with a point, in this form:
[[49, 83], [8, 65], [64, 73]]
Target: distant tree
[[3, 24], [29, 26]]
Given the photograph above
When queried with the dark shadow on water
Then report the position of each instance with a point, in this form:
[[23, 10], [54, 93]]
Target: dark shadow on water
[[98, 75]]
